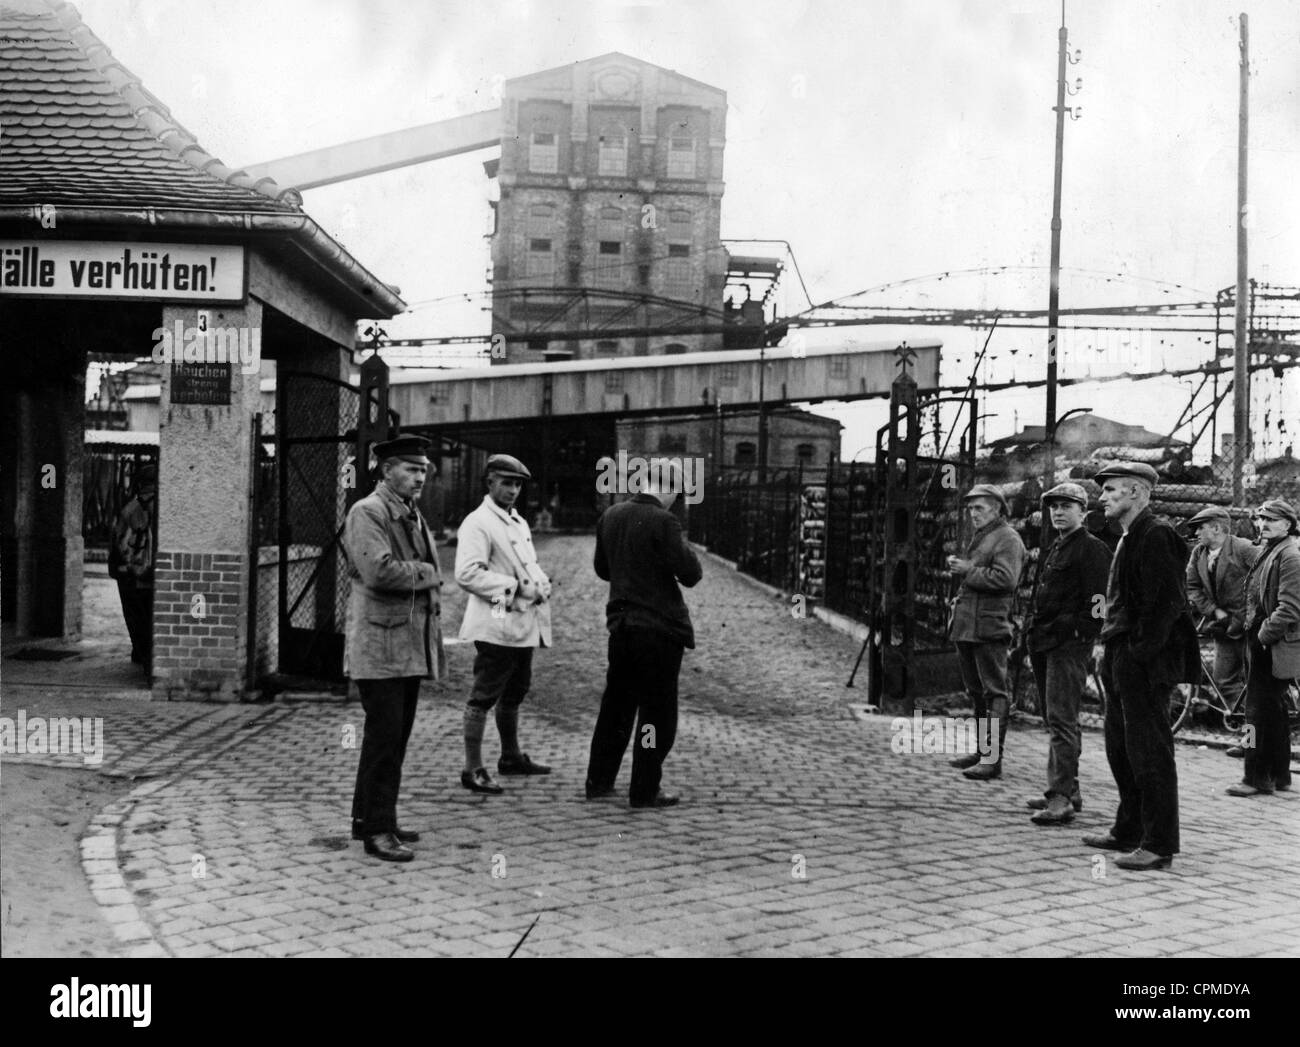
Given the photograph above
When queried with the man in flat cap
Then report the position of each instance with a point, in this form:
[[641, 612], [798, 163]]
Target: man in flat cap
[[981, 623], [641, 552], [131, 562], [1216, 589], [394, 634], [507, 616], [1066, 614], [1273, 654], [1149, 646]]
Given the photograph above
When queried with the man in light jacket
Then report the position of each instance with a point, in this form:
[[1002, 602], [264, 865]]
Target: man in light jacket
[[981, 623], [507, 616], [394, 634]]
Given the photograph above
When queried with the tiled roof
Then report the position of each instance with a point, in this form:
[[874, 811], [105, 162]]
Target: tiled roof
[[77, 129]]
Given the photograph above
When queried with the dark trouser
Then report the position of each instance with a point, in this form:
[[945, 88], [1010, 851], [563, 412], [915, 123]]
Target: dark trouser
[[137, 609], [1268, 761], [390, 714], [984, 675], [1229, 667], [642, 679], [1060, 674], [1140, 750], [501, 674]]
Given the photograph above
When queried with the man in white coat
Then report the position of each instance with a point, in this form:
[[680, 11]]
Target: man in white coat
[[507, 616]]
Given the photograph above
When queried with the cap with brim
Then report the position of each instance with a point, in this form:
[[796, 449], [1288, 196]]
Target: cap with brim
[[507, 465], [408, 447], [1211, 514], [1127, 471], [988, 491], [1277, 509], [1066, 492]]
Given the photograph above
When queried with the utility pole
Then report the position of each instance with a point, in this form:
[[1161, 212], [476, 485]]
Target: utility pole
[[1241, 336], [1054, 288]]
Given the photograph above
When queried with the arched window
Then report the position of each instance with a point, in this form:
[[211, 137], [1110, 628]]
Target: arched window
[[746, 453]]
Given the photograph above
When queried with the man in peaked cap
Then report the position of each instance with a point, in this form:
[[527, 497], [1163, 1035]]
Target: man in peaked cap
[[507, 616], [394, 635], [1216, 589], [1066, 613], [981, 623], [1148, 647]]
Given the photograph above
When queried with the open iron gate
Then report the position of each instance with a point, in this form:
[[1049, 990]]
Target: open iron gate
[[914, 521], [308, 476]]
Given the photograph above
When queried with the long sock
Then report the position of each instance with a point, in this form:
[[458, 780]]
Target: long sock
[[475, 721], [508, 726]]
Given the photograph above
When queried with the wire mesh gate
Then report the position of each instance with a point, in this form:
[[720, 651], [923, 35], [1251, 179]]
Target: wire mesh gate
[[307, 476]]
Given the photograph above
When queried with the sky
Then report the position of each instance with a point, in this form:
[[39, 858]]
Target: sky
[[885, 140]]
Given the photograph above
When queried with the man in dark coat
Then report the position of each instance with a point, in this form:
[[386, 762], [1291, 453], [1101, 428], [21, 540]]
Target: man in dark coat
[[1069, 606], [641, 552], [394, 634], [981, 623], [1149, 646], [1216, 589], [1273, 657]]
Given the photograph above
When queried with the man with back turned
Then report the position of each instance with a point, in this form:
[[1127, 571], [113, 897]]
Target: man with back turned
[[642, 553]]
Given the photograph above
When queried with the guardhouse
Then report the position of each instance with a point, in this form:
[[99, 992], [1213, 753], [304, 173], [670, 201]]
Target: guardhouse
[[121, 237]]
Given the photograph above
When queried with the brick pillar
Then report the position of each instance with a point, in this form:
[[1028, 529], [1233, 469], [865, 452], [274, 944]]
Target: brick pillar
[[201, 644]]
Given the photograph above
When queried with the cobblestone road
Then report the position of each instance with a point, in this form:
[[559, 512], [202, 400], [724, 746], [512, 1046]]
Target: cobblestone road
[[238, 845]]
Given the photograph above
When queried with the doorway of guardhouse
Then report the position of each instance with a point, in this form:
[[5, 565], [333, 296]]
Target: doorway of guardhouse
[[102, 658]]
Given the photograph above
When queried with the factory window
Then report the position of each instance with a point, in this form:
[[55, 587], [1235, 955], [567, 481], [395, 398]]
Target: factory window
[[679, 281], [609, 264], [613, 381], [674, 349], [541, 220], [544, 153], [746, 453], [609, 224], [679, 250], [839, 366], [607, 347], [805, 453], [672, 443], [541, 258], [680, 229], [681, 157], [613, 155], [729, 374]]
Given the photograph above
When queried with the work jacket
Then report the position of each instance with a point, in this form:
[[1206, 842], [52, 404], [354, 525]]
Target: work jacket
[[1146, 601], [982, 609], [1273, 605], [1069, 603], [393, 627], [1225, 588], [641, 552], [494, 554]]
